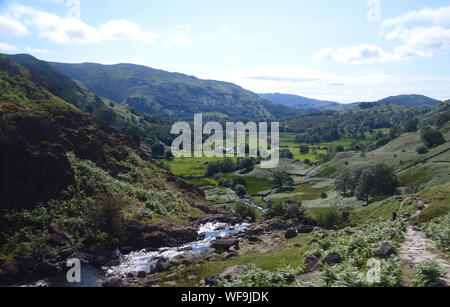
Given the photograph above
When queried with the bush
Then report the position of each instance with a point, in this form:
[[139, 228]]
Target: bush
[[429, 274], [256, 277], [276, 210], [327, 217], [421, 150], [247, 213], [158, 149], [432, 137], [240, 190], [107, 216]]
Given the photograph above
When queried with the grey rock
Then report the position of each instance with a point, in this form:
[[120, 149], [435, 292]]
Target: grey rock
[[333, 258], [224, 244], [386, 249], [313, 263], [212, 280], [234, 270], [290, 233], [228, 255]]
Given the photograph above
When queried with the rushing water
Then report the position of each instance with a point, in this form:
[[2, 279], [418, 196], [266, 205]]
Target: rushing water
[[141, 260], [250, 203]]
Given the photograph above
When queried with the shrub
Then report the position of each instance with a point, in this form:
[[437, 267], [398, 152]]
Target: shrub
[[421, 150], [240, 190], [429, 274], [107, 216], [327, 217], [256, 277], [432, 137], [158, 149], [247, 213]]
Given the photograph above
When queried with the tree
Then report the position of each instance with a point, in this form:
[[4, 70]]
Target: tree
[[246, 212], [432, 137], [385, 180], [240, 190], [282, 178], [376, 180], [410, 126], [343, 181], [304, 149], [158, 149], [286, 153], [294, 210], [364, 187]]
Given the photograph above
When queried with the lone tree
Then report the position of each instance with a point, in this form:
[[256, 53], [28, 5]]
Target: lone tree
[[344, 180], [364, 187], [282, 178], [432, 137], [376, 180]]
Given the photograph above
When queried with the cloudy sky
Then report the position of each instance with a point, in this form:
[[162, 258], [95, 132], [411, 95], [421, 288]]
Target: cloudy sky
[[346, 51]]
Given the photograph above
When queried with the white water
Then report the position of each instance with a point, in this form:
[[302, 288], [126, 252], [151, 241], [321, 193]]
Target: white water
[[142, 260]]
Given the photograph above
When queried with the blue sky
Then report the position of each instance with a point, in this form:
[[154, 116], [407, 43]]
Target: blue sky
[[347, 50]]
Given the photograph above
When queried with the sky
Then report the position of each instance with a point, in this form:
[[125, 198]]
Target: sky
[[345, 51]]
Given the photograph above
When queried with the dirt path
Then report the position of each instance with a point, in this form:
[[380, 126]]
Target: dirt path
[[417, 248]]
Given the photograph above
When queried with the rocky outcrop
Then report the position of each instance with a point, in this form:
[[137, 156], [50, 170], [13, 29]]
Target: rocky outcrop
[[312, 263], [224, 245], [386, 249], [140, 235], [332, 258], [290, 233]]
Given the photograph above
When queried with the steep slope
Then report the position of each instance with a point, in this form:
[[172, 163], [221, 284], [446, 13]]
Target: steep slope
[[144, 129], [171, 94], [302, 103], [72, 185]]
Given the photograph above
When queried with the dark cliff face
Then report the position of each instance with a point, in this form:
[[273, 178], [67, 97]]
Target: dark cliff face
[[33, 169], [33, 147]]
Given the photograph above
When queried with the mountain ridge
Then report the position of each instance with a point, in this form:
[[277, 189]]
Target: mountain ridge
[[172, 95], [305, 103]]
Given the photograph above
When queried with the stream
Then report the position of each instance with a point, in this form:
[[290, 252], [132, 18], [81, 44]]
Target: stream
[[142, 260], [250, 203]]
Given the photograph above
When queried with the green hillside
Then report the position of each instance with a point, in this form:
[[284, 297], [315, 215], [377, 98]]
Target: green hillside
[[171, 94], [145, 129]]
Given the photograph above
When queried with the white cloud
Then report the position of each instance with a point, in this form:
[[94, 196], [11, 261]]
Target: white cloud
[[313, 83], [7, 47], [35, 50], [180, 40], [11, 26], [123, 29], [436, 16], [421, 42], [70, 30], [363, 53], [417, 42]]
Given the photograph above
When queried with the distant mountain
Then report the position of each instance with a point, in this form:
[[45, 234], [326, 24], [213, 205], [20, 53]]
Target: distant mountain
[[302, 103], [410, 100], [171, 95], [308, 104]]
